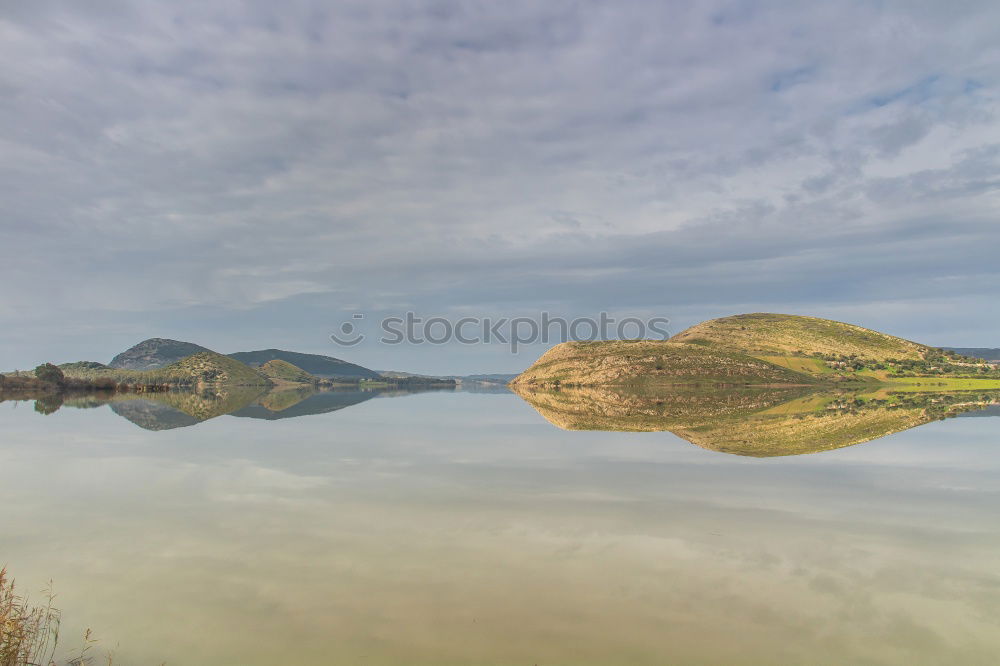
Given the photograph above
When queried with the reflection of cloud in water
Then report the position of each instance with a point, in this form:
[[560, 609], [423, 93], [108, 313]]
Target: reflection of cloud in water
[[442, 539]]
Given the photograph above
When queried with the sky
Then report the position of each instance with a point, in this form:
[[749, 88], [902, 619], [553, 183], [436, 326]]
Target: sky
[[247, 175]]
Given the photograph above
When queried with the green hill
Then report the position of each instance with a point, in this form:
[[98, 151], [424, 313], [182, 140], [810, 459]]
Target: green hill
[[651, 362], [284, 371], [212, 368], [326, 367]]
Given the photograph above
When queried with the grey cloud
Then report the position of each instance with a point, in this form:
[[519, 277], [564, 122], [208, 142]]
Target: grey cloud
[[163, 160]]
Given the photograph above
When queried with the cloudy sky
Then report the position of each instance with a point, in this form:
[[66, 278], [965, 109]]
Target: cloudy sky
[[249, 175]]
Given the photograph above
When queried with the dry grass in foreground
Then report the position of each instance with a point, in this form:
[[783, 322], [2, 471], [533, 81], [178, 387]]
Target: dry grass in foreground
[[28, 633]]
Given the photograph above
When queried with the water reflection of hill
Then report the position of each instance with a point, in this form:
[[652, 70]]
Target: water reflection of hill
[[176, 409], [296, 402], [760, 422], [165, 411], [153, 415], [179, 409]]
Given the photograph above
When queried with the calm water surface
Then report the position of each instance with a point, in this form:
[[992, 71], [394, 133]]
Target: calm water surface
[[460, 528]]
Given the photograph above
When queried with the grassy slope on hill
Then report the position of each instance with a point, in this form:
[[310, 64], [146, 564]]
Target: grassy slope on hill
[[833, 350], [651, 362], [92, 373], [210, 367], [783, 335], [277, 369], [315, 364]]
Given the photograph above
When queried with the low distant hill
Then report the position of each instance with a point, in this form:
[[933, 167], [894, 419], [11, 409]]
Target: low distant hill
[[488, 378], [986, 353], [398, 374], [326, 367], [155, 353]]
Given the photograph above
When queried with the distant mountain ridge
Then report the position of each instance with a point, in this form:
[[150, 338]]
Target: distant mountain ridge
[[985, 353], [483, 378]]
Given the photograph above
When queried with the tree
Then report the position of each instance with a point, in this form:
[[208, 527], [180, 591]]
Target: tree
[[50, 373]]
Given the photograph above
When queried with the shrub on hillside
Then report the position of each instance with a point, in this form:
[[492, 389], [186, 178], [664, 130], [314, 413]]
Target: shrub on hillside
[[50, 373]]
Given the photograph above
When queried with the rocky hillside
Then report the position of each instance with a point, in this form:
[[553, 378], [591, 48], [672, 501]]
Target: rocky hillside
[[155, 353]]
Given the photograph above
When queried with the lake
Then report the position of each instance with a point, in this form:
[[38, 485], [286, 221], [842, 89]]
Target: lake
[[455, 527]]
